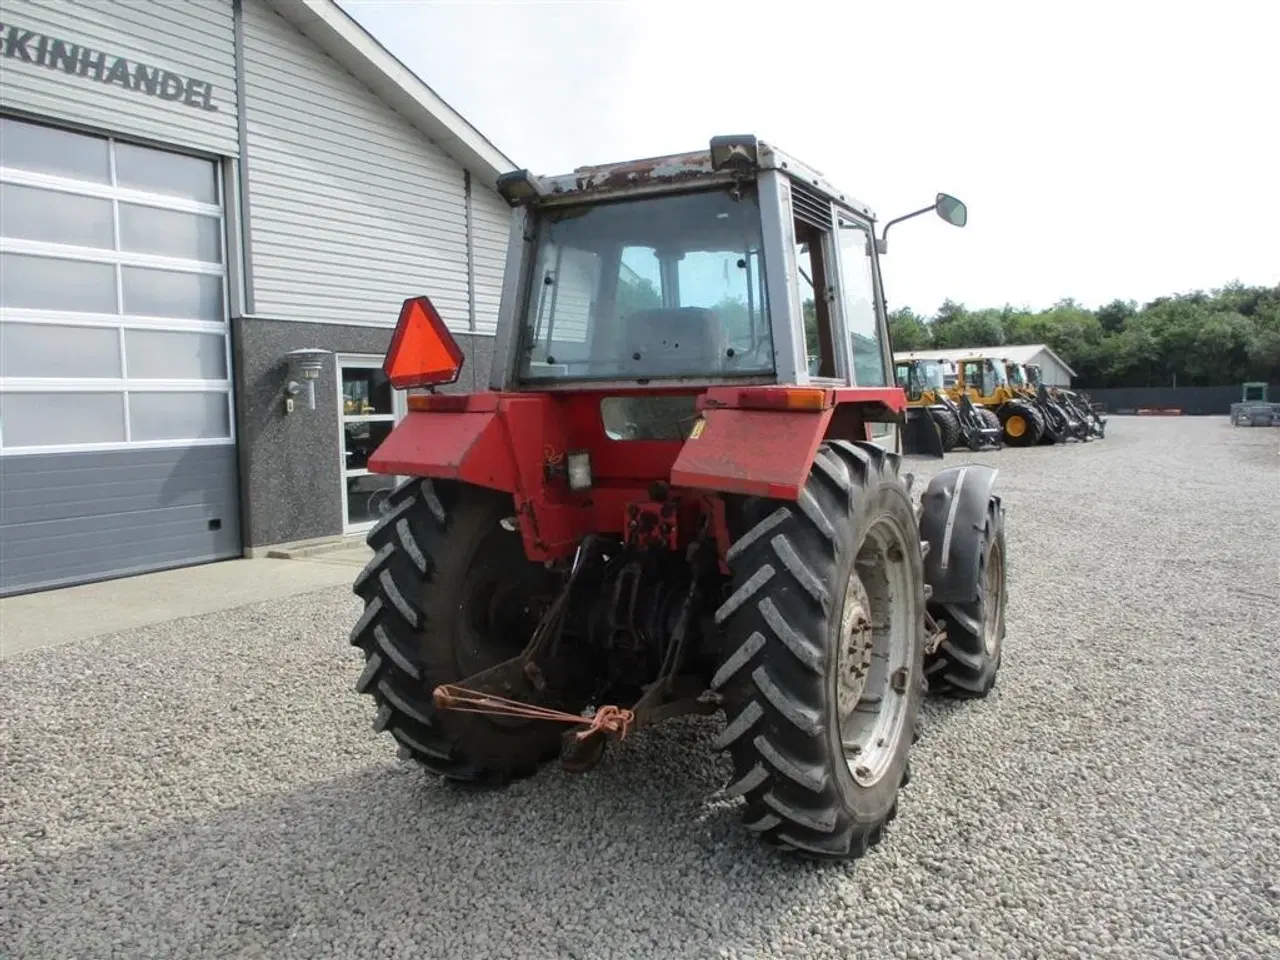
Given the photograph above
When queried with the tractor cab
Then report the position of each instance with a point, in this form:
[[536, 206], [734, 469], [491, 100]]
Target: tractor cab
[[657, 280]]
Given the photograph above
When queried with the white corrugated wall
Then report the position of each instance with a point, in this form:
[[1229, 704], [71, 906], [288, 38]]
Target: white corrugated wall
[[352, 208], [491, 225], [1052, 371], [58, 56]]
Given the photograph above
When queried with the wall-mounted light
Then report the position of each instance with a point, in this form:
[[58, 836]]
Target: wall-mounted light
[[305, 364]]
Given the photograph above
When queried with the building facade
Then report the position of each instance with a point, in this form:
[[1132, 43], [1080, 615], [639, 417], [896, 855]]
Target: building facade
[[189, 193]]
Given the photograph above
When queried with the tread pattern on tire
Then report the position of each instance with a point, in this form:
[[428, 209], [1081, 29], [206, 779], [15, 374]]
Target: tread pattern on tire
[[773, 676], [991, 420], [948, 427], [1033, 417], [395, 587], [961, 667]]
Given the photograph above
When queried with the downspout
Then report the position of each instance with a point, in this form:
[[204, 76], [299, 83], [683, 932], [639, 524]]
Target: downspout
[[244, 265], [469, 230], [242, 162]]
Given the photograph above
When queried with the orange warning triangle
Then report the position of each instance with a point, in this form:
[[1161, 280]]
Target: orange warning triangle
[[423, 352]]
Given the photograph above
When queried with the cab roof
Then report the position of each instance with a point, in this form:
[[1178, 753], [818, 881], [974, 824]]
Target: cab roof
[[673, 171]]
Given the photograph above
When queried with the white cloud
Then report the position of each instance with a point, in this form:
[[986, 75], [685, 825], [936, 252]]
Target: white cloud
[[1118, 149]]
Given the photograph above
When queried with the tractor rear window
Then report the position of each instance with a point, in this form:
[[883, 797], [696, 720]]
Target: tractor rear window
[[656, 287]]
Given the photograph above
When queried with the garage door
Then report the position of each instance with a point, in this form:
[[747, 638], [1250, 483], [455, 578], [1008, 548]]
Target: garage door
[[117, 447]]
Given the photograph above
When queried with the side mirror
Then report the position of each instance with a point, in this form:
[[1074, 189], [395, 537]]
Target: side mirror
[[946, 206], [951, 210]]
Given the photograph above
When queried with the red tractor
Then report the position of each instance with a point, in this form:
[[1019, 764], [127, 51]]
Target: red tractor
[[680, 494]]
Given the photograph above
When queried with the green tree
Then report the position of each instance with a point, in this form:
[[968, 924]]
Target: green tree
[[637, 293], [1221, 336], [908, 330]]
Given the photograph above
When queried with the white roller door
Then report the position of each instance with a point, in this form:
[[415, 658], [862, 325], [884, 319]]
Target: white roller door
[[117, 445]]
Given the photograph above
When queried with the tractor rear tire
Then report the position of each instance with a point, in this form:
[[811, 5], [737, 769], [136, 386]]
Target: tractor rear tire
[[948, 428], [825, 616], [449, 593], [1020, 423], [966, 663]]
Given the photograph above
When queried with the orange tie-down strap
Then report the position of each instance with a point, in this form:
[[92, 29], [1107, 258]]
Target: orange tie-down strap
[[609, 720]]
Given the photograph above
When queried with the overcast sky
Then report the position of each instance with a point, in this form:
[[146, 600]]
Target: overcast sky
[[1105, 149]]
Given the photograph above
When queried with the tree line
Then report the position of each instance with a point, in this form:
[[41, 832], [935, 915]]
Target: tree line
[[1226, 336]]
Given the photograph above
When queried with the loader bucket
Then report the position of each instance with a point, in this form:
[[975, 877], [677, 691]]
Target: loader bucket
[[920, 436]]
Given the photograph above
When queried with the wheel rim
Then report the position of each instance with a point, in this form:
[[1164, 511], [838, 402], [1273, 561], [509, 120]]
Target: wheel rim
[[875, 654], [1015, 426], [993, 609]]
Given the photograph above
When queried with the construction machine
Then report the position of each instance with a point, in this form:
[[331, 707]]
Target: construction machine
[[1019, 419], [656, 509], [924, 381], [1076, 416]]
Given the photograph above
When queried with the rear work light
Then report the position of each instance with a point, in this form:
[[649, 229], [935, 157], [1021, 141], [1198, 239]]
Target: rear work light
[[423, 352]]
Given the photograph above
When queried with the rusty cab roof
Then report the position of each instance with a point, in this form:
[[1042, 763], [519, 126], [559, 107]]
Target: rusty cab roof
[[676, 171]]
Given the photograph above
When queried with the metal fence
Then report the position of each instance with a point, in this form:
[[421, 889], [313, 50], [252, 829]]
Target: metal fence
[[1190, 401]]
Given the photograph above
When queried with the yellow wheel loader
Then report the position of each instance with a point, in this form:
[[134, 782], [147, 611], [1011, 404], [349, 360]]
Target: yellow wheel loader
[[986, 382], [958, 422], [1075, 405]]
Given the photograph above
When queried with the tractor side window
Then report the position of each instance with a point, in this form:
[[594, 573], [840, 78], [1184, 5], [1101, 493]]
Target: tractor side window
[[860, 313], [971, 372], [812, 278]]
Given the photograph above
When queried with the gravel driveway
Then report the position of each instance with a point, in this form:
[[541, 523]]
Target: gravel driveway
[[211, 787]]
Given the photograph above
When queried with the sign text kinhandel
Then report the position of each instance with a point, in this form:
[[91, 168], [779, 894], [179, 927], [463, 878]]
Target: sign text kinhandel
[[76, 60]]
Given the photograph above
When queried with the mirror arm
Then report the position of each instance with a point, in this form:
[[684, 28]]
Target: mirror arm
[[882, 245]]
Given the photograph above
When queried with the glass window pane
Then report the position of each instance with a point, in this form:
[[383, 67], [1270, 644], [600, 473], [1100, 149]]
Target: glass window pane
[[178, 416], [47, 283], [46, 419], [41, 149], [368, 497], [158, 171], [46, 350], [860, 306], [359, 440], [365, 391], [52, 216], [175, 355], [170, 233], [167, 293]]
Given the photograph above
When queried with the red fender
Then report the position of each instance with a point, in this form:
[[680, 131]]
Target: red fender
[[469, 445], [750, 443], [765, 453]]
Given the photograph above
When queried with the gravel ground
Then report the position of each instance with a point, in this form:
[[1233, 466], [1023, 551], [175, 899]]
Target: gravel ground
[[211, 787]]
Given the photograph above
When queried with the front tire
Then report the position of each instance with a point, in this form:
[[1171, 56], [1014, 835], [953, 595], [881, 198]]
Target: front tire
[[449, 593], [1021, 426], [948, 428], [966, 663], [823, 668]]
